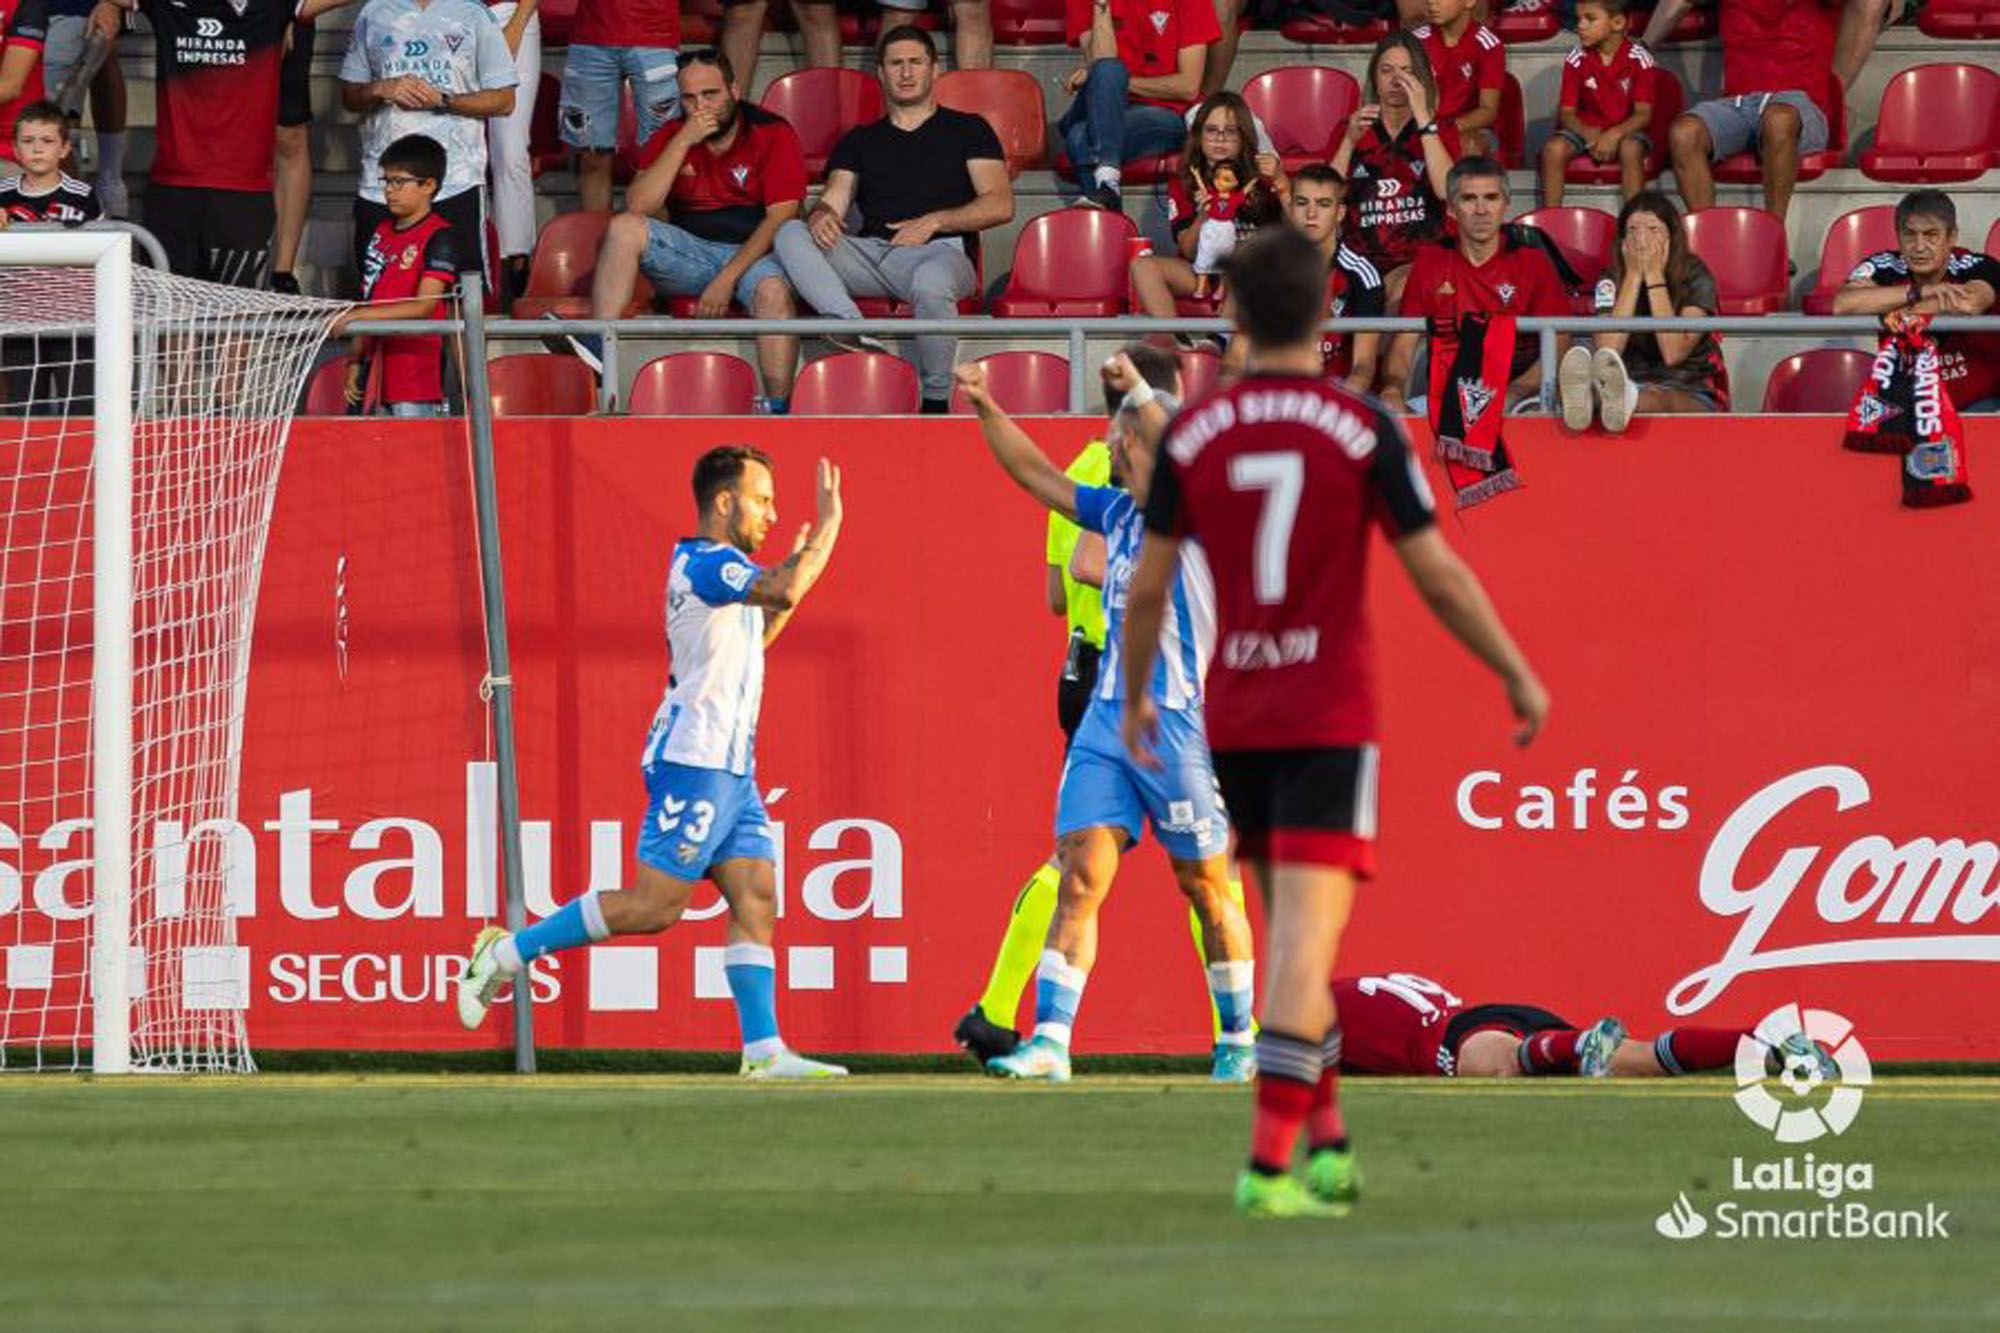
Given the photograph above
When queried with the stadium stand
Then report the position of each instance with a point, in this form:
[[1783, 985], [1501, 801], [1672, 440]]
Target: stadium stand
[[1960, 20], [1512, 126], [1938, 124], [1584, 235], [1029, 23], [1746, 169], [1200, 368], [855, 384], [326, 391], [1852, 237], [1023, 383], [1069, 263], [1305, 108], [1011, 101], [1669, 100], [700, 384], [530, 384], [1745, 249], [822, 105], [1824, 379], [560, 270]]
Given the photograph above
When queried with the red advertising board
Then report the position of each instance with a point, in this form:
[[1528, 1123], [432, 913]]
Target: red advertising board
[[1768, 776]]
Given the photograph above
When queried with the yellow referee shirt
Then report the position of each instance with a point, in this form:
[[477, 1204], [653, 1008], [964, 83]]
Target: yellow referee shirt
[[1092, 467]]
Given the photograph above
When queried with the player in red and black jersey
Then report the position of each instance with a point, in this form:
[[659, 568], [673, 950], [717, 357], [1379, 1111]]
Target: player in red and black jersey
[[1282, 477], [1930, 274], [409, 265], [1405, 1024], [1395, 157], [208, 196], [24, 27]]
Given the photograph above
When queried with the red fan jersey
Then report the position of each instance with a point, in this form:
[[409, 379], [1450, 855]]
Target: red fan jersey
[[1603, 92], [1476, 63], [217, 71], [722, 196], [1150, 35], [24, 26], [396, 264], [1775, 46], [1281, 478], [1394, 1024], [627, 23], [1391, 208], [1517, 280]]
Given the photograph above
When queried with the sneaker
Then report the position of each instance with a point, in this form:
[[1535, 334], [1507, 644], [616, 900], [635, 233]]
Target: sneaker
[[481, 980], [789, 1064], [857, 342], [1573, 388], [285, 284], [1607, 370], [1233, 1064], [982, 1038], [1333, 1176], [1600, 1041], [1259, 1195], [1100, 196], [585, 347], [1036, 1058]]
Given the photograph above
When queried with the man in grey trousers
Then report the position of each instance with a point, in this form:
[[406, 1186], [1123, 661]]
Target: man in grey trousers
[[926, 181]]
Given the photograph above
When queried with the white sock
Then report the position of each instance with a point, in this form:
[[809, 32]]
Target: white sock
[[506, 957], [1107, 177], [110, 154], [593, 917]]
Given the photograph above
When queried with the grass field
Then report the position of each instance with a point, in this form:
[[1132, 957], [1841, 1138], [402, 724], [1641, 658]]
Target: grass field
[[918, 1203]]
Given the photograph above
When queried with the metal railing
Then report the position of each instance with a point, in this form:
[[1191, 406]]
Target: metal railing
[[1076, 334]]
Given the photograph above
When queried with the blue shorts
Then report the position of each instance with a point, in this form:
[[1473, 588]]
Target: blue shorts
[[1103, 788], [698, 816], [680, 263], [1736, 124], [593, 79]]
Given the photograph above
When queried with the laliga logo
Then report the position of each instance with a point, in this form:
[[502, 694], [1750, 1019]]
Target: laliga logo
[[1799, 1045]]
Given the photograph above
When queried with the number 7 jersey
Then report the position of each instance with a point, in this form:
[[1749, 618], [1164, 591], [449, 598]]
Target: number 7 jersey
[[1281, 478]]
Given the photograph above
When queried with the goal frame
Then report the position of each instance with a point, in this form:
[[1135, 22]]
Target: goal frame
[[109, 255]]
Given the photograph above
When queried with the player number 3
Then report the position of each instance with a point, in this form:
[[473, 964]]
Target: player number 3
[[1282, 478]]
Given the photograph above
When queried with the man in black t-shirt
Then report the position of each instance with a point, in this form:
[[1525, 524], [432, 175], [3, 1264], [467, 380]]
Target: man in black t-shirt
[[926, 181]]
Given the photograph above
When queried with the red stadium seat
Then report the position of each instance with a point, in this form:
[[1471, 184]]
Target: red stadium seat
[[556, 16], [1537, 24], [1745, 249], [1938, 123], [1960, 20], [1030, 23], [822, 105], [528, 384], [1011, 101], [694, 384], [326, 391], [1822, 380], [1584, 235], [1329, 31], [701, 22], [1069, 262], [564, 261], [1305, 108], [1669, 100], [1511, 128], [856, 384], [1993, 239], [1744, 169], [1697, 23], [1852, 237], [1200, 368], [1023, 383]]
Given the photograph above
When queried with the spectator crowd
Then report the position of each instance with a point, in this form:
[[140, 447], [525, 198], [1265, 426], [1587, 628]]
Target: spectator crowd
[[1408, 201]]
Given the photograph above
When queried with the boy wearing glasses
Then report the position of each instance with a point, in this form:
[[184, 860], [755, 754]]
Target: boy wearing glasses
[[408, 266]]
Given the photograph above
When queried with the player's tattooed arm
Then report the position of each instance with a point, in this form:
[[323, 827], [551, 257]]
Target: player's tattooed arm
[[1019, 456], [783, 586]]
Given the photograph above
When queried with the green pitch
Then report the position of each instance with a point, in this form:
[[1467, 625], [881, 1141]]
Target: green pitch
[[917, 1204]]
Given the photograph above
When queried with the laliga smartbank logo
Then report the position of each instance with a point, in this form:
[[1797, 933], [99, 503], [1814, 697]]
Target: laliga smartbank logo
[[1822, 1073]]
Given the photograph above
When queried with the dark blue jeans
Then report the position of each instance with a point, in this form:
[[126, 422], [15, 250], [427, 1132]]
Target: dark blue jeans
[[1103, 127]]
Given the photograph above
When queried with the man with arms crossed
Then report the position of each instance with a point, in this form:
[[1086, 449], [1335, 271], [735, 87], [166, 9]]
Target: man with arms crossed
[[704, 818], [1280, 477]]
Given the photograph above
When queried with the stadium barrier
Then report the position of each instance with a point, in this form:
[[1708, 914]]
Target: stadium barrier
[[1767, 776]]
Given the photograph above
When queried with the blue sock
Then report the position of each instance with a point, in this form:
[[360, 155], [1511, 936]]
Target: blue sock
[[1058, 992], [1233, 986], [578, 922], [752, 970]]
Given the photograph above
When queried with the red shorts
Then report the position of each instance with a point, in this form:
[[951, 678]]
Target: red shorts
[[1303, 807]]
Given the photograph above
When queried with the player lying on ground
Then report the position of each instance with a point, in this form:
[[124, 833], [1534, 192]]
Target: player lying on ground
[[1402, 1023], [1281, 478], [704, 818], [1076, 570], [1105, 799]]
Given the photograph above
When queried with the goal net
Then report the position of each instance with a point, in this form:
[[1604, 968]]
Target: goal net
[[144, 418]]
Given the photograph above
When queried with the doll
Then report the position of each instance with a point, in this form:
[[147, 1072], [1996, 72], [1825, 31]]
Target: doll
[[1217, 238]]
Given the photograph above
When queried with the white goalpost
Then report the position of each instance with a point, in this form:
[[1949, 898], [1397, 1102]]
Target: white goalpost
[[144, 419]]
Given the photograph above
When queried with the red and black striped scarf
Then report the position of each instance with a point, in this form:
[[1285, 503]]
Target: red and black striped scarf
[[1903, 409], [1468, 402]]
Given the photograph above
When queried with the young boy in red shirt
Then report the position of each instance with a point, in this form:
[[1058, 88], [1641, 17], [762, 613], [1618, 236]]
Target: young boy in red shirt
[[1470, 66], [1606, 105], [410, 264]]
